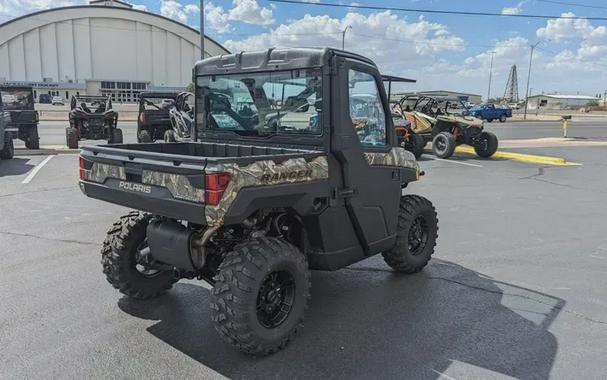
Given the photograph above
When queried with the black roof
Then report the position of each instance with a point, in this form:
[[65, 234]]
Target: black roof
[[159, 94], [271, 59], [392, 78]]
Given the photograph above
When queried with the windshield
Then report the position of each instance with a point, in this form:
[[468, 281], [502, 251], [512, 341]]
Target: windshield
[[278, 102], [17, 99]]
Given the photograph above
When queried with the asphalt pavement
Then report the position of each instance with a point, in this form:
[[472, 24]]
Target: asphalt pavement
[[516, 288]]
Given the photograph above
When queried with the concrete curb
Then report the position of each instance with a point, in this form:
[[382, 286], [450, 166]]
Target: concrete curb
[[45, 151]]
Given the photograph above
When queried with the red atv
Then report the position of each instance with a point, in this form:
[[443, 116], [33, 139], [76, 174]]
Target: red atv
[[92, 118]]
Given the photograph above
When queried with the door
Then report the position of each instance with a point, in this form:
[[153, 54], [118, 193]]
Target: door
[[362, 130]]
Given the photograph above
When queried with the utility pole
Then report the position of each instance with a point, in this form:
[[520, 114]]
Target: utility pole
[[201, 29], [490, 75], [529, 78], [343, 37]]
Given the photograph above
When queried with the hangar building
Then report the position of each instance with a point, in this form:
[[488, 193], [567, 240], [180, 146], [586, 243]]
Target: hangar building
[[106, 47]]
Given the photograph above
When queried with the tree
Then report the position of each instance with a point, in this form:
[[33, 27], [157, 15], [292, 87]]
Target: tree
[[190, 87], [592, 103]]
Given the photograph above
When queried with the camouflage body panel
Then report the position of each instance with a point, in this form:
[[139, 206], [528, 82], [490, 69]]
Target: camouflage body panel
[[100, 172], [264, 173], [396, 157], [179, 185]]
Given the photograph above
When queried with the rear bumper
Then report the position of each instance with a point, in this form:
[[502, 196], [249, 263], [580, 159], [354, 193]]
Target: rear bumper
[[163, 204]]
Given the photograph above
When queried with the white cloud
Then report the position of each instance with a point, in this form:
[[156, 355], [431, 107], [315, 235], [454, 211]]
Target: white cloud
[[388, 39], [177, 11], [565, 28], [247, 11], [15, 8], [511, 10]]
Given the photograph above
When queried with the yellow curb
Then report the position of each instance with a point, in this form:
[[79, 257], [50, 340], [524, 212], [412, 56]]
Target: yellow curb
[[547, 160]]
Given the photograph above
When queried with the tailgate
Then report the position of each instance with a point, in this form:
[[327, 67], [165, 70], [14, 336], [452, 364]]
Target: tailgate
[[164, 184]]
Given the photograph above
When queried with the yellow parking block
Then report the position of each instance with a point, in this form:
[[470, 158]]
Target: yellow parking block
[[533, 158]]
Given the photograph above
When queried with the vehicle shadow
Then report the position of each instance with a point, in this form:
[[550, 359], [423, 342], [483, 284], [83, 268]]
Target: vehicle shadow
[[14, 166], [367, 322]]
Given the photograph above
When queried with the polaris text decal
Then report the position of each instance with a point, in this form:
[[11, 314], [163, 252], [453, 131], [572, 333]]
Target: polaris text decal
[[135, 187]]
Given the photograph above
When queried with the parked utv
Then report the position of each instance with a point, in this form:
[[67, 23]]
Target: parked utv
[[7, 150], [153, 120], [92, 118], [19, 103], [281, 178], [447, 123], [181, 115]]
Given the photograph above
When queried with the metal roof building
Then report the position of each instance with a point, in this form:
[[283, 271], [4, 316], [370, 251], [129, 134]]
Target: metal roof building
[[106, 47], [559, 101]]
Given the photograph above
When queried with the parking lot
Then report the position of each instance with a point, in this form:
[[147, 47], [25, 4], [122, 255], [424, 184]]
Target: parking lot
[[516, 287]]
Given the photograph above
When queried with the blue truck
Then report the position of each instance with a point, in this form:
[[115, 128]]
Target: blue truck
[[490, 112]]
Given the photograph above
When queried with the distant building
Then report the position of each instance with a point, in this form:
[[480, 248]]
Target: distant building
[[463, 96], [105, 48], [558, 101]]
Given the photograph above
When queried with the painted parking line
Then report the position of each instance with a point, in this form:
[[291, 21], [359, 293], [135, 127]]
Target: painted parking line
[[532, 158], [454, 162], [35, 170]]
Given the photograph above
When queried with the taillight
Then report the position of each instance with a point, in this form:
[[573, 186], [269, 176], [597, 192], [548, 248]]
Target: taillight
[[83, 167], [214, 186], [142, 118]]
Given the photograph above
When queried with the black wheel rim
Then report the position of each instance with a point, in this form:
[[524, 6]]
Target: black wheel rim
[[418, 235], [275, 299], [441, 144], [143, 252]]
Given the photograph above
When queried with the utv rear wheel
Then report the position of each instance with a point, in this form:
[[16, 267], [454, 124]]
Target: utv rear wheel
[[486, 145], [443, 145], [415, 144], [261, 293], [8, 150], [33, 140], [144, 137], [121, 254], [115, 136], [416, 235], [71, 137], [169, 136]]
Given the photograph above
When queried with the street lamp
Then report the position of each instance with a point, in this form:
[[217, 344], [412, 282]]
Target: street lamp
[[201, 29], [529, 78], [343, 36], [490, 75]]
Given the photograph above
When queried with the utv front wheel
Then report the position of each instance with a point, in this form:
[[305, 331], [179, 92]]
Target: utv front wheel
[[144, 137], [443, 145], [261, 293], [121, 257], [115, 136], [33, 140], [8, 150], [71, 137], [416, 235], [415, 144], [486, 145]]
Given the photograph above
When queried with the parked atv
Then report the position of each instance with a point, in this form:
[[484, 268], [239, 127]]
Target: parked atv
[[18, 101], [447, 123], [92, 118], [181, 115], [154, 120], [278, 180], [7, 150]]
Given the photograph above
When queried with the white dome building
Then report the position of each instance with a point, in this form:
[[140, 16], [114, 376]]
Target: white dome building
[[106, 47]]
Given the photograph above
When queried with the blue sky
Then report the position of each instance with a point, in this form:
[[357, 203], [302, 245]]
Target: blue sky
[[440, 51]]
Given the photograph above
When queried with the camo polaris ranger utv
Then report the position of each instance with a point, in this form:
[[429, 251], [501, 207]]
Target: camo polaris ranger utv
[[280, 180]]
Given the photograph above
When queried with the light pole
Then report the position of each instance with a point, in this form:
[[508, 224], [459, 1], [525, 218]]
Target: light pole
[[343, 37], [201, 29], [529, 78], [490, 75]]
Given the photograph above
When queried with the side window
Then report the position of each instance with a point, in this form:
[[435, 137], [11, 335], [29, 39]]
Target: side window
[[366, 110]]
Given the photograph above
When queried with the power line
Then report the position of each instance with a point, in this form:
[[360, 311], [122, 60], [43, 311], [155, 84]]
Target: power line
[[572, 4], [437, 11]]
